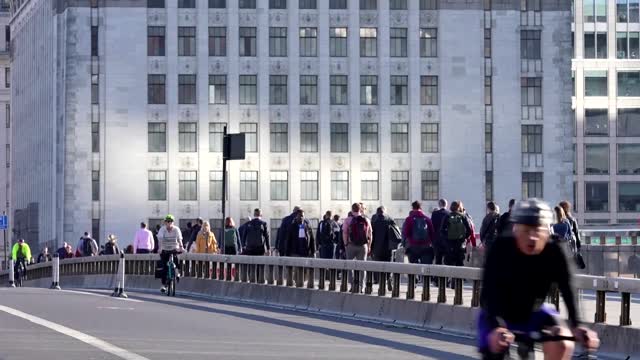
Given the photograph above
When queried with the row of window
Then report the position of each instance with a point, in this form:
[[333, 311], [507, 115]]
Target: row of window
[[596, 159], [279, 185], [596, 122], [302, 4], [597, 196], [627, 45], [278, 89], [596, 83], [627, 11], [308, 41], [279, 137]]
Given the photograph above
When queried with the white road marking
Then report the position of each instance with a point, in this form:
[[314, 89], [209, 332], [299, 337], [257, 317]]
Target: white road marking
[[88, 339], [99, 295], [114, 308]]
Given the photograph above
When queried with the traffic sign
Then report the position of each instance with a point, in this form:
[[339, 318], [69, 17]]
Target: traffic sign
[[4, 222]]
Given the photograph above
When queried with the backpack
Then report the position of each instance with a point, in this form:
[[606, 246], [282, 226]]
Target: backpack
[[358, 230], [109, 249], [87, 249], [419, 232], [253, 235], [457, 230], [230, 238], [492, 231], [325, 237]]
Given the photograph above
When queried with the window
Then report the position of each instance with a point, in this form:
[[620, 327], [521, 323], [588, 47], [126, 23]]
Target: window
[[487, 43], [217, 89], [487, 90], [634, 11], [247, 41], [216, 136], [629, 159], [595, 83], [399, 137], [532, 185], [307, 4], [429, 138], [95, 137], [309, 185], [488, 138], [398, 42], [428, 4], [339, 185], [530, 5], [157, 137], [338, 42], [7, 110], [248, 185], [429, 90], [430, 185], [595, 45], [596, 122], [595, 10], [308, 137], [188, 185], [279, 137], [95, 230], [629, 196], [217, 4], [95, 89], [368, 90], [339, 94], [157, 185], [596, 159], [337, 4], [621, 45], [277, 41], [621, 11], [278, 89], [155, 41], [95, 185], [186, 41], [186, 4], [188, 137], [156, 92], [428, 42], [155, 3], [274, 224], [339, 137], [368, 42], [279, 185], [250, 131], [215, 185], [399, 185], [94, 41], [217, 41], [399, 90], [186, 89], [531, 91], [628, 122], [308, 90], [247, 4], [369, 137], [532, 139], [277, 4], [308, 42], [596, 196], [398, 4], [530, 44], [248, 89], [488, 185], [368, 4], [370, 185], [628, 83]]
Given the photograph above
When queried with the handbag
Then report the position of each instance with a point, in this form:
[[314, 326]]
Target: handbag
[[395, 236], [579, 261]]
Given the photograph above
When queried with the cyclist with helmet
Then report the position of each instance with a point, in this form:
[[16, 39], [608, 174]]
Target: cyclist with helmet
[[518, 275], [169, 243], [21, 256]]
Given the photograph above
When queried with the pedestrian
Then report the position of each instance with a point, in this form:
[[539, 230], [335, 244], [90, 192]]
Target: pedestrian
[[455, 230], [111, 247], [155, 238], [241, 230], [44, 255], [170, 243], [337, 231], [143, 242], [231, 244], [186, 233], [62, 251], [205, 242], [194, 233], [357, 235], [129, 249], [300, 239], [489, 227], [566, 206], [383, 240], [88, 246], [505, 227], [419, 234], [69, 252], [472, 238], [256, 236], [326, 237], [437, 218], [283, 231], [562, 230]]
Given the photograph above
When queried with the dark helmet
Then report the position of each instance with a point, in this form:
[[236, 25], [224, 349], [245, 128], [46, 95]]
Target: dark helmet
[[533, 212]]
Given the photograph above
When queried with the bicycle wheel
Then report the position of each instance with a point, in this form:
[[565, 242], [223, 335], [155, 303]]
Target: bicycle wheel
[[169, 287], [173, 288]]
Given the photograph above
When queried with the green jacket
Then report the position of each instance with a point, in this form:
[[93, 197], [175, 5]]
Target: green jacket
[[26, 252]]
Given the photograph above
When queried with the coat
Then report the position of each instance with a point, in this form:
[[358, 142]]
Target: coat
[[298, 248], [205, 243]]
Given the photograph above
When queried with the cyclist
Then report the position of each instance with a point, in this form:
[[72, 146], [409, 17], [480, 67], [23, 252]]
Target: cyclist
[[518, 275], [169, 243], [21, 255]]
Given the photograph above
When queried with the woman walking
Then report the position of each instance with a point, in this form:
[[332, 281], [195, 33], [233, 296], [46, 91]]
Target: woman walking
[[206, 241]]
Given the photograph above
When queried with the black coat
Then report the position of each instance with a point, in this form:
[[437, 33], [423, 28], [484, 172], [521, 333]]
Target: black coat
[[380, 227], [295, 247], [437, 218]]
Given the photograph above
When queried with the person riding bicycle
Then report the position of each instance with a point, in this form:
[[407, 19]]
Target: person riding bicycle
[[21, 255], [518, 275], [169, 243]]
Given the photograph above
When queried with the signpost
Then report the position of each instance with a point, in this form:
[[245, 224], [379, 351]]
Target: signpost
[[232, 149], [4, 224]]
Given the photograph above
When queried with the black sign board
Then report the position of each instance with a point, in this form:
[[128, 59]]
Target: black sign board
[[233, 145]]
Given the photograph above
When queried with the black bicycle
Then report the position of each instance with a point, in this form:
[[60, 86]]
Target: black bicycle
[[18, 272], [171, 276], [525, 344]]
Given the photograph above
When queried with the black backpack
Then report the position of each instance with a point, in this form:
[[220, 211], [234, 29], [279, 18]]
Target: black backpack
[[87, 249], [326, 234], [109, 249], [253, 235]]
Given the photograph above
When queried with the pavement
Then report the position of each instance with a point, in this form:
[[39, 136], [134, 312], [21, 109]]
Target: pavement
[[45, 324]]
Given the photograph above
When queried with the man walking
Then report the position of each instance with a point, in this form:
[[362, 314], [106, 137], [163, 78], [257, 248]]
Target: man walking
[[505, 227], [437, 218], [195, 230], [419, 234], [326, 237], [143, 242], [455, 230], [256, 236], [357, 236], [384, 241], [88, 246]]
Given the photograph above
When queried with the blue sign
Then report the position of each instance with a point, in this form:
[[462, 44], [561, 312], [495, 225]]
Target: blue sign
[[4, 222]]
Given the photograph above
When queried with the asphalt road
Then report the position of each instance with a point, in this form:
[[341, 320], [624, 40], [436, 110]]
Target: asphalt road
[[92, 325]]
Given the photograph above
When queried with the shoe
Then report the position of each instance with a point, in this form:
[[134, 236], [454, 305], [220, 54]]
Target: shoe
[[163, 289]]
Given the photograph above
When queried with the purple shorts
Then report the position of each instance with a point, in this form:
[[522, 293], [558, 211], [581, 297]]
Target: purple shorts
[[543, 318]]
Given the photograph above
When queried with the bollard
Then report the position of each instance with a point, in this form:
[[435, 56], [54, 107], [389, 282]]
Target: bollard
[[119, 289], [55, 273], [11, 274]]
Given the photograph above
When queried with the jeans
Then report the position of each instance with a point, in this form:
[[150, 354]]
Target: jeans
[[143, 251], [454, 256], [326, 251], [384, 257], [420, 255], [357, 252]]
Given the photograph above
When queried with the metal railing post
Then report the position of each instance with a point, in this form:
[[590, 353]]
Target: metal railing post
[[426, 290], [55, 272], [119, 289], [601, 315], [12, 276], [625, 309]]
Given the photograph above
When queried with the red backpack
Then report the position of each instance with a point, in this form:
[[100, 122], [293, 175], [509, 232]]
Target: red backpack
[[358, 230]]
